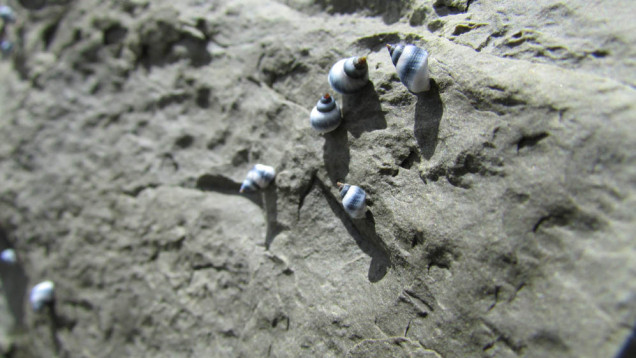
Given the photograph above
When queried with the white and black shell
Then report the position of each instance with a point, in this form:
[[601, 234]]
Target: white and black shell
[[6, 47], [6, 14], [353, 200], [8, 256], [42, 294], [411, 63], [349, 75], [257, 178], [326, 116]]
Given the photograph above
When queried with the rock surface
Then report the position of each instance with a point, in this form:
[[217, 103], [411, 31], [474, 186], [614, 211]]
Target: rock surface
[[501, 213]]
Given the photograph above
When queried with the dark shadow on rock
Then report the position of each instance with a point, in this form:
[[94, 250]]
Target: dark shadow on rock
[[197, 51], [33, 4], [271, 216], [629, 347], [266, 199], [379, 263], [54, 325], [364, 234], [428, 113], [362, 111], [14, 282], [336, 154], [224, 185]]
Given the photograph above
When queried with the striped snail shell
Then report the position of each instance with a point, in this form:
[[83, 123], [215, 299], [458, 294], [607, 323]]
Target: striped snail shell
[[353, 200], [349, 75], [257, 178], [6, 14], [42, 294], [411, 63], [325, 117], [8, 256]]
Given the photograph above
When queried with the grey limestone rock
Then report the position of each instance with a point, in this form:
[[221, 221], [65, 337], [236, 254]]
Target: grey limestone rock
[[501, 212]]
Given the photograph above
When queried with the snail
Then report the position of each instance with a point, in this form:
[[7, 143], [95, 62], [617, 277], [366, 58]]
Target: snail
[[6, 14], [353, 200], [6, 47], [8, 256], [42, 294], [411, 63], [325, 117], [258, 177], [349, 75]]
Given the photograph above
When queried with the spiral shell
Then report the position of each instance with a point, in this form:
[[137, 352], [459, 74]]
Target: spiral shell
[[8, 256], [411, 63], [6, 14], [325, 117], [353, 200], [349, 75], [257, 178], [42, 294]]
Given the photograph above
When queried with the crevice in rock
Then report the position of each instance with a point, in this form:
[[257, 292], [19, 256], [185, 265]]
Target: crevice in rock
[[281, 318], [377, 42], [531, 140], [157, 47], [600, 53], [304, 193], [516, 347], [465, 28], [138, 189], [412, 158], [570, 216], [412, 295], [449, 7], [496, 298], [184, 141], [440, 256], [48, 34], [474, 161], [114, 34], [202, 98]]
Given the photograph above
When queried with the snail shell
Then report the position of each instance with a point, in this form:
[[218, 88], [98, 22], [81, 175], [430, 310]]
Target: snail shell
[[6, 14], [325, 117], [8, 256], [42, 294], [353, 200], [6, 47], [411, 63], [257, 178], [349, 75]]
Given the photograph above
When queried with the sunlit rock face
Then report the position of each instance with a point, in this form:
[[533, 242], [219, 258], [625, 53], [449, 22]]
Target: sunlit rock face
[[499, 216]]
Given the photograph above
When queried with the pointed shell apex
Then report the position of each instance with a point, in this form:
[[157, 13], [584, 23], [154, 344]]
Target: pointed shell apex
[[344, 83], [325, 116], [411, 64]]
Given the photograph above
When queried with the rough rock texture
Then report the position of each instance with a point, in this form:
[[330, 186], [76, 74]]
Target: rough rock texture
[[501, 215]]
